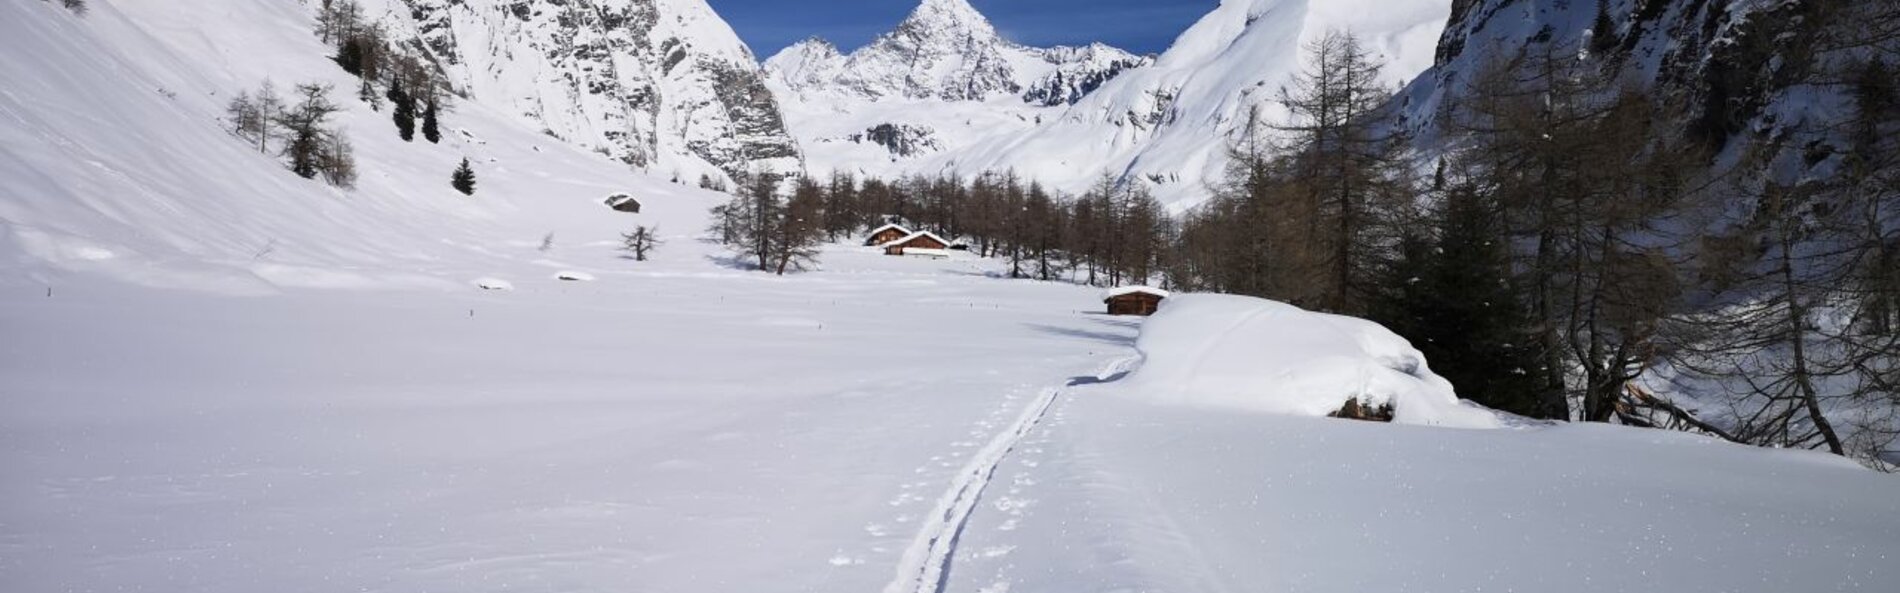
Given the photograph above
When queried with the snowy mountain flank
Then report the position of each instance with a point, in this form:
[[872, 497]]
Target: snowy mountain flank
[[663, 85], [1731, 63]]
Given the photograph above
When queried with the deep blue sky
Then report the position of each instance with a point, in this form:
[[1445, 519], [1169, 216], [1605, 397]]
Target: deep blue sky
[[1140, 26]]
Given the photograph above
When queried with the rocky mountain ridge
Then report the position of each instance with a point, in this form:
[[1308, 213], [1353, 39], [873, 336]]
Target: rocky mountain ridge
[[662, 85]]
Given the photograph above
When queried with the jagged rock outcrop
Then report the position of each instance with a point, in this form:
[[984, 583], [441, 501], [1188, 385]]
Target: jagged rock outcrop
[[1079, 71], [902, 140], [663, 85]]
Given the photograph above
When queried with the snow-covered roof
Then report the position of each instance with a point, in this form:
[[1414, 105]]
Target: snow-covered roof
[[914, 236], [889, 227], [1115, 292]]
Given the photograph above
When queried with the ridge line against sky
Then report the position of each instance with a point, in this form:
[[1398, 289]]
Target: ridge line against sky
[[1140, 26]]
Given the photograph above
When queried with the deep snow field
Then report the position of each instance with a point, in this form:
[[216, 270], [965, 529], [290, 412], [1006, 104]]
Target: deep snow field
[[679, 425], [218, 378]]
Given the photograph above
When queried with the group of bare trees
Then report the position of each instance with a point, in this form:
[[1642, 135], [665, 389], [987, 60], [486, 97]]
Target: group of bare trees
[[1802, 335], [1310, 204], [298, 127], [769, 230], [1113, 234]]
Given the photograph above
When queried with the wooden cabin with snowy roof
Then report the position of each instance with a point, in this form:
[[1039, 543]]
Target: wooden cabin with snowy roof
[[1134, 300], [886, 234], [923, 243]]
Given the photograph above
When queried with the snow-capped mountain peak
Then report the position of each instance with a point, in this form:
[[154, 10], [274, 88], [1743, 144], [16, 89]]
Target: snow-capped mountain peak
[[954, 17], [808, 63], [944, 50]]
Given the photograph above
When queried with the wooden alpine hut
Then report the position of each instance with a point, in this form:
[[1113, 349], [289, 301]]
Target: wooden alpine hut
[[923, 243], [886, 234], [1134, 300]]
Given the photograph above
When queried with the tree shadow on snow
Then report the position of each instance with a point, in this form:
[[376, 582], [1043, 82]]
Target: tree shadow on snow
[[734, 262], [1124, 337]]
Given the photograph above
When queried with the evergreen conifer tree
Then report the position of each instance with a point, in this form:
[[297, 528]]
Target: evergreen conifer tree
[[431, 131], [403, 108], [1451, 296], [1603, 29], [464, 179]]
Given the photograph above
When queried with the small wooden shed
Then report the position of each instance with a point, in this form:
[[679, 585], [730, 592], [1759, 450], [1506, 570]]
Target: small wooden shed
[[918, 243], [623, 203], [1134, 300], [886, 234]]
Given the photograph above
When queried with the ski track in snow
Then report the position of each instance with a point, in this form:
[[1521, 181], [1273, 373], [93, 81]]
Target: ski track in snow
[[925, 564]]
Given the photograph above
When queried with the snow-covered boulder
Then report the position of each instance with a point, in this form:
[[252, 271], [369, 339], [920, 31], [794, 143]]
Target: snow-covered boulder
[[1259, 355], [623, 203]]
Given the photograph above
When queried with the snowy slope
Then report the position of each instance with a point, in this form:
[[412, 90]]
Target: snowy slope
[[1120, 495], [1165, 124], [117, 164], [664, 85]]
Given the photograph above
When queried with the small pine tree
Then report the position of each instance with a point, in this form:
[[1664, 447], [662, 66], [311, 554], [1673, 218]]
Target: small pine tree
[[1603, 30], [464, 179], [77, 6], [403, 110], [367, 93], [245, 120], [306, 131], [430, 130], [349, 55]]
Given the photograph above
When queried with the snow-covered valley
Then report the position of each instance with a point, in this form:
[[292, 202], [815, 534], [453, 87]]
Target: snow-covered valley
[[216, 376], [689, 427]]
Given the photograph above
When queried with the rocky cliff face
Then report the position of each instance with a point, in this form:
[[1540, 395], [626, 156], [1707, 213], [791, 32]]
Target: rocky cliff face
[[663, 85], [1733, 65]]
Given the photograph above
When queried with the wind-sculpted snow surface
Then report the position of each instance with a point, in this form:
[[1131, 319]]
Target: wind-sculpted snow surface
[[1259, 355]]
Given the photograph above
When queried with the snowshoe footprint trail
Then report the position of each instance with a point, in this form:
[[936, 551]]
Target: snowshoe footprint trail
[[925, 564]]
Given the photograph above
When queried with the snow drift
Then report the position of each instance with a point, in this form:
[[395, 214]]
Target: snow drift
[[1260, 355]]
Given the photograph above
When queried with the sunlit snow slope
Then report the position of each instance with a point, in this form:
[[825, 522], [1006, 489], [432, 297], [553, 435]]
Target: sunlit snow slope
[[116, 162], [216, 377]]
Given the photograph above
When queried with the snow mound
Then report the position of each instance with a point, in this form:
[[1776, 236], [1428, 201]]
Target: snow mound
[[1258, 355], [573, 276]]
